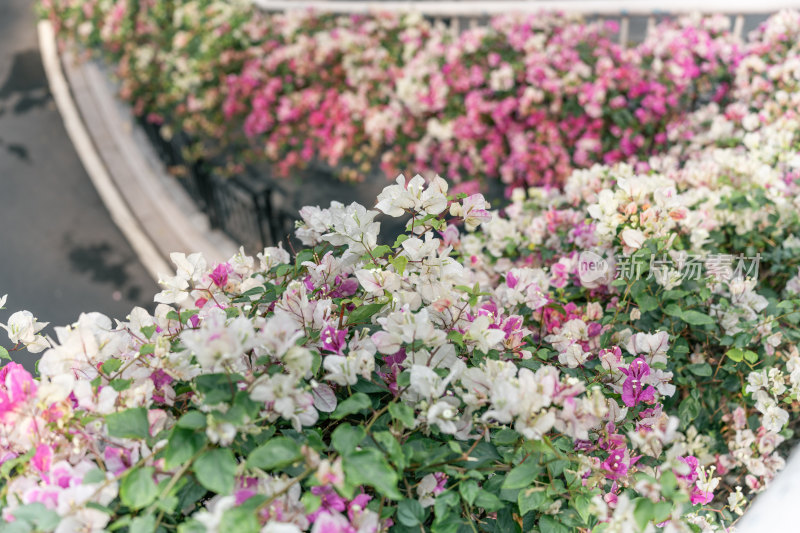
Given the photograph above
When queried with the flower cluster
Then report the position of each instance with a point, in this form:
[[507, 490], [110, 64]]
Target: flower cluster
[[464, 374], [524, 100]]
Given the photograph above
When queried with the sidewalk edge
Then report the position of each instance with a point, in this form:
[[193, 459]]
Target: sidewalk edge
[[120, 212]]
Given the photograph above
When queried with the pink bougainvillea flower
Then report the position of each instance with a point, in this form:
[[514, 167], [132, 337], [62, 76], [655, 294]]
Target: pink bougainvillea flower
[[633, 389]]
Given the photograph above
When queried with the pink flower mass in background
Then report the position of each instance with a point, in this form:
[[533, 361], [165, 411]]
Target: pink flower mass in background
[[523, 100]]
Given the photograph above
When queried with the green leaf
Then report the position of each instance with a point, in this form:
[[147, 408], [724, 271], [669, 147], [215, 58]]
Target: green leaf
[[8, 466], [182, 445], [255, 291], [169, 502], [310, 501], [17, 526], [148, 331], [380, 251], [680, 346], [304, 256], [216, 388], [39, 516], [548, 524], [522, 475], [696, 318], [120, 385], [399, 263], [111, 366], [216, 469], [404, 378], [392, 447], [661, 511], [410, 513], [243, 519], [456, 337], [190, 494], [445, 501], [143, 524], [647, 303], [581, 504], [137, 489], [399, 240], [735, 354], [505, 437], [278, 452], [488, 501], [355, 403], [362, 314], [402, 413], [185, 315], [193, 526], [643, 512], [125, 521], [346, 437], [192, 420], [129, 424], [369, 467], [93, 476], [4, 353], [469, 490], [701, 369], [532, 499], [750, 356], [688, 409], [147, 349], [669, 483]]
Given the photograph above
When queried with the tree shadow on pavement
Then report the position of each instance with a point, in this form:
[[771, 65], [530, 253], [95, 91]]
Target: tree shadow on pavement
[[17, 150], [25, 86], [105, 265]]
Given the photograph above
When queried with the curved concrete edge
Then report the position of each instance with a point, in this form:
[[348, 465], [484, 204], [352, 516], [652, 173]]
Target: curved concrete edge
[[120, 212], [772, 509], [154, 213]]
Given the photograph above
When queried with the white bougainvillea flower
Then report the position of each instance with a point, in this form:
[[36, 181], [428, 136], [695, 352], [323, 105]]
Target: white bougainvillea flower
[[632, 239], [473, 209], [377, 281], [482, 336], [653, 345], [413, 197], [22, 327]]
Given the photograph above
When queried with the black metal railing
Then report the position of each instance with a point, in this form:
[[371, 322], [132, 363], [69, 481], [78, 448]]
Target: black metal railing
[[250, 208]]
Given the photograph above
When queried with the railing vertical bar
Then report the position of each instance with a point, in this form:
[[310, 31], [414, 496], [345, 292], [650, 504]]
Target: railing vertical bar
[[738, 26], [276, 225], [624, 30]]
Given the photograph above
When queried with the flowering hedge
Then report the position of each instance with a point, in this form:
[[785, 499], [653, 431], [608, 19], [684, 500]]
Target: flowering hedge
[[619, 355], [524, 100]]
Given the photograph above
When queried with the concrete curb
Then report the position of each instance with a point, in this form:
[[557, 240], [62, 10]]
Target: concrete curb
[[153, 212]]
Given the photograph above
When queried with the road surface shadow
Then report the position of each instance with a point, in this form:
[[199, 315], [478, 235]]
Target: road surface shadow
[[17, 150], [99, 262], [25, 87]]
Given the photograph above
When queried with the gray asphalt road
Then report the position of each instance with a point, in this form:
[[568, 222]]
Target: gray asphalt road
[[60, 252]]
